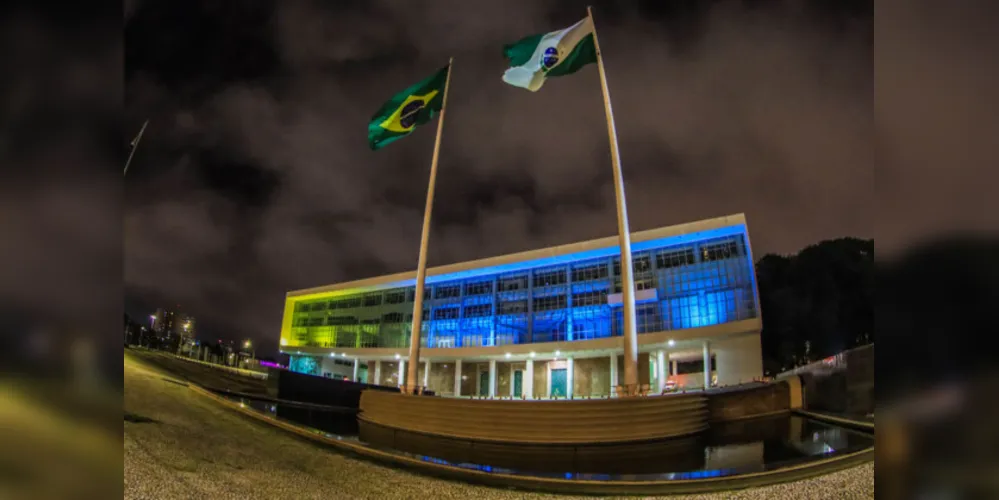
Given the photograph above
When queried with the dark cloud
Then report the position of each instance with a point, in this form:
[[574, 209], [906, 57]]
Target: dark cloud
[[766, 111], [938, 119], [60, 209]]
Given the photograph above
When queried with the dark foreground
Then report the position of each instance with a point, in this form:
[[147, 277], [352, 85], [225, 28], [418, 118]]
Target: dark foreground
[[179, 444]]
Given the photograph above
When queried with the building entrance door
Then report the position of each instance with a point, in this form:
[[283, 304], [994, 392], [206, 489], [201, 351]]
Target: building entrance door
[[518, 384], [558, 382], [483, 383]]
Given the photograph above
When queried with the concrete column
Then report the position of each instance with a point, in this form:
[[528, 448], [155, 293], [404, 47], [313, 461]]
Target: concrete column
[[378, 373], [548, 381], [673, 370], [661, 370], [707, 364], [568, 303], [356, 365], [737, 360], [568, 376], [495, 303], [492, 378], [613, 373], [426, 373], [529, 379], [402, 372], [457, 378], [530, 307], [512, 373]]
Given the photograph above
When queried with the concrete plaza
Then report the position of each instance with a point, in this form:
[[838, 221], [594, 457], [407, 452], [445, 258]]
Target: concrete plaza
[[180, 444]]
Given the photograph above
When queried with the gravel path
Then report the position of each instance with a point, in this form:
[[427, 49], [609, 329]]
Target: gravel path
[[192, 448]]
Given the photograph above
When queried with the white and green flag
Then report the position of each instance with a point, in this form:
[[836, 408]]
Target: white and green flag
[[559, 53]]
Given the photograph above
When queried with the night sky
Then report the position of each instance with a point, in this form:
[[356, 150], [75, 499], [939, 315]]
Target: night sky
[[254, 176]]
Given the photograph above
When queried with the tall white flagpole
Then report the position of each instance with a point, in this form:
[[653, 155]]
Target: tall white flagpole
[[135, 144], [624, 234], [412, 371]]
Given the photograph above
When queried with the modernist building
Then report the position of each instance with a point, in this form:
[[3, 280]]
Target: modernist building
[[547, 322]]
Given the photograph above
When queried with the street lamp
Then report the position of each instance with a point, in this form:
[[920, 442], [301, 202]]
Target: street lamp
[[247, 345], [152, 327], [183, 339]]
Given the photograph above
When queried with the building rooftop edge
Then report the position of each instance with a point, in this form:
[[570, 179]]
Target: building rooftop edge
[[389, 280]]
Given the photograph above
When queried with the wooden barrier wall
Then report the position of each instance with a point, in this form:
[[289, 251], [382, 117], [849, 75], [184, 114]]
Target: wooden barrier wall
[[570, 421]]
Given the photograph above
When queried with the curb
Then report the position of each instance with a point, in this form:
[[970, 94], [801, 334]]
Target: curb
[[845, 422]]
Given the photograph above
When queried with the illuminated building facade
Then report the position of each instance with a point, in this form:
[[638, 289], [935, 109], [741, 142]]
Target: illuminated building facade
[[548, 322], [173, 326]]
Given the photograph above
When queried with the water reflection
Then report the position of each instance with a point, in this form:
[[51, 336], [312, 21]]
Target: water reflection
[[734, 448], [334, 420]]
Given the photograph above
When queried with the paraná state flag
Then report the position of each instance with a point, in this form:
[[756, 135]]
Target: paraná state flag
[[559, 53]]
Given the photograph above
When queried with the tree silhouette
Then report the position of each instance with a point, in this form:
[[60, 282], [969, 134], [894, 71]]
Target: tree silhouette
[[816, 303]]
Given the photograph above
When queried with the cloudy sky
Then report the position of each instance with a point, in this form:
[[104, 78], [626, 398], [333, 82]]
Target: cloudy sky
[[254, 177]]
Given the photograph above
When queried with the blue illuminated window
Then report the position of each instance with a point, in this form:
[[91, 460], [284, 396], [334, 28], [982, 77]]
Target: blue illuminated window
[[478, 310], [549, 278], [590, 272], [480, 288], [447, 291], [512, 306], [589, 298], [549, 303], [666, 259], [724, 250], [446, 313], [512, 283]]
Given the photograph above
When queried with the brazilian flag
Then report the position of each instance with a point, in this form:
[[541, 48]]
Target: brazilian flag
[[414, 106]]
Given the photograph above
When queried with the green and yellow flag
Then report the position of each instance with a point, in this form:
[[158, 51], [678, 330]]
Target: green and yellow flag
[[414, 106]]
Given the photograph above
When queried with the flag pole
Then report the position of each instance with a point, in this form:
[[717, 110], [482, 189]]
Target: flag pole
[[624, 234], [412, 371], [135, 144]]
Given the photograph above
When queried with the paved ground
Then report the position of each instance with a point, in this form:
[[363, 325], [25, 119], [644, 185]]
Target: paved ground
[[179, 444]]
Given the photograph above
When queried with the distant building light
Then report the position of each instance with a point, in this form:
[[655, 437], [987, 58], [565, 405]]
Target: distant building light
[[397, 356], [533, 354], [507, 355], [671, 343]]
